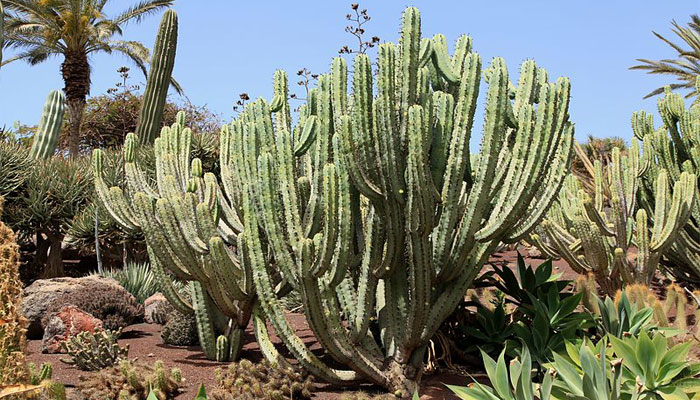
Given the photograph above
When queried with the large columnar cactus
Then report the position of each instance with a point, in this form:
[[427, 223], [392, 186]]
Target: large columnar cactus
[[159, 78], [188, 233], [13, 340], [676, 149], [46, 136], [608, 235], [375, 210]]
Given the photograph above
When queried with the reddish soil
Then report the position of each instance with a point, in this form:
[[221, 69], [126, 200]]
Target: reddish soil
[[145, 344]]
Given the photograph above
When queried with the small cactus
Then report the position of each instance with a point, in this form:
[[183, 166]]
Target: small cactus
[[131, 380], [94, 351], [260, 381]]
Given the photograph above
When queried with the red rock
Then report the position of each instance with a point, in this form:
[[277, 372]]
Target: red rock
[[67, 322]]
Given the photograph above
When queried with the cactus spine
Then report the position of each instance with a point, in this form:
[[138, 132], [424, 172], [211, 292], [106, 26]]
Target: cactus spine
[[46, 136], [383, 217], [676, 149], [595, 234], [159, 78]]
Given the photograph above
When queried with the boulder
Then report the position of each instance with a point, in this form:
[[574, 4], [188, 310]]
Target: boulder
[[40, 296], [67, 322], [157, 309]]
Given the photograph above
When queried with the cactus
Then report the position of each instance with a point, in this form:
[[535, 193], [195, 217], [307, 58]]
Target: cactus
[[373, 209], [94, 351], [388, 217], [595, 234], [260, 381], [221, 348], [188, 229], [131, 380], [676, 149], [40, 374], [46, 136], [159, 78], [12, 329]]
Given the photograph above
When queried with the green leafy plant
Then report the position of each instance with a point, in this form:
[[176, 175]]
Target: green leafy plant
[[528, 281], [513, 382], [624, 318], [652, 370], [137, 278], [587, 373]]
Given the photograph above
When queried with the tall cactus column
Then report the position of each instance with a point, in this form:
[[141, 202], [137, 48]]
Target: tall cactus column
[[375, 210], [49, 129], [159, 78]]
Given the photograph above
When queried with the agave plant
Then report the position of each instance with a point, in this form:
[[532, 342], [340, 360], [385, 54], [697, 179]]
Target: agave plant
[[514, 382], [652, 370], [624, 318]]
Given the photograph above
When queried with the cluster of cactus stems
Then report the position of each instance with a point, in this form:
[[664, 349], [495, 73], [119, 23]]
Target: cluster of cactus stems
[[371, 206], [608, 235], [131, 380], [261, 381], [676, 150], [94, 351], [186, 231], [159, 77], [49, 129]]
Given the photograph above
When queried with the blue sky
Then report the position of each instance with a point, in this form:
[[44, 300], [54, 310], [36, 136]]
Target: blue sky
[[227, 47]]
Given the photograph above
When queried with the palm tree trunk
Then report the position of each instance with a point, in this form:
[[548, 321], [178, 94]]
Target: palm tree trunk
[[76, 78]]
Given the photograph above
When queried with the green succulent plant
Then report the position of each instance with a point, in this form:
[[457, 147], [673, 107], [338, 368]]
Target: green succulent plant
[[508, 382], [653, 370], [624, 318]]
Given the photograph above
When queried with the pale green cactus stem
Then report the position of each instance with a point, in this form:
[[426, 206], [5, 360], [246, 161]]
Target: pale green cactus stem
[[595, 235], [372, 211], [676, 149], [190, 232], [159, 78], [49, 129]]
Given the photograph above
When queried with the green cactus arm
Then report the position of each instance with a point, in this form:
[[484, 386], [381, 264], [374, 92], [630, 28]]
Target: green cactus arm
[[165, 284], [159, 78], [49, 128], [678, 213]]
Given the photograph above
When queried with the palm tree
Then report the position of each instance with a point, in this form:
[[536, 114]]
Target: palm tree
[[41, 29], [686, 67]]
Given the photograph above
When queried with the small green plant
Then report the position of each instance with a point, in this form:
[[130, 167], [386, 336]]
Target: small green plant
[[514, 382], [94, 351], [624, 318], [588, 373]]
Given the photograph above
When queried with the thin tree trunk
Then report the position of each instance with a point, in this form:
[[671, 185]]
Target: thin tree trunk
[[76, 77], [54, 263]]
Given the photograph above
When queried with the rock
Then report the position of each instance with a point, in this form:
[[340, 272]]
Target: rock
[[157, 309], [67, 322], [42, 294]]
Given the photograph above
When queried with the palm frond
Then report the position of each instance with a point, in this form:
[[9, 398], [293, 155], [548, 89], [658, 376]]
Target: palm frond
[[141, 10], [686, 68]]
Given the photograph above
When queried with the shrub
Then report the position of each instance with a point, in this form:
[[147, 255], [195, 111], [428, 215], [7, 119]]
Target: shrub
[[113, 305], [131, 380]]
